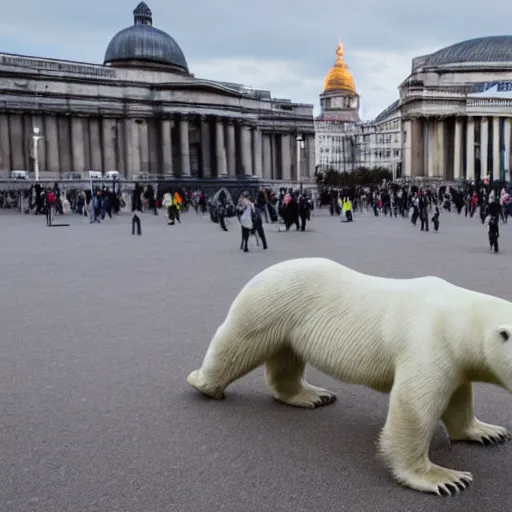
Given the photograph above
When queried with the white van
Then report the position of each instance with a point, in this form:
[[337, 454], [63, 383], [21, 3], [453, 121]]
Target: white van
[[19, 175], [112, 175], [95, 175]]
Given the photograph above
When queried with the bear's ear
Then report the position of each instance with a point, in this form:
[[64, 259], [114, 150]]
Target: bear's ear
[[504, 333]]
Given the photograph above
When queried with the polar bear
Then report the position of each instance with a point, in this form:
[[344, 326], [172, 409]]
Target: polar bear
[[422, 340]]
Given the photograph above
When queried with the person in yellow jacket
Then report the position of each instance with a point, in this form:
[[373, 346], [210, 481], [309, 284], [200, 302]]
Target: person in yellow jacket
[[176, 203], [346, 210]]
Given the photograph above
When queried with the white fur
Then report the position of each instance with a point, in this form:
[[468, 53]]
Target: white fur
[[424, 340]]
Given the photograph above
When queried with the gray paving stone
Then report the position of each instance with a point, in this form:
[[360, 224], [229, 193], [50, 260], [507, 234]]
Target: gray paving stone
[[99, 330]]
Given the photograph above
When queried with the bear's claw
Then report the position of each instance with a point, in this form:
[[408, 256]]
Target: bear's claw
[[490, 440], [325, 400], [436, 479], [453, 488], [483, 434]]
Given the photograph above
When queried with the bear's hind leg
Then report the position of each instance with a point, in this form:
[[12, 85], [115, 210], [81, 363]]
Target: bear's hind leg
[[284, 372], [462, 424], [405, 439], [230, 355]]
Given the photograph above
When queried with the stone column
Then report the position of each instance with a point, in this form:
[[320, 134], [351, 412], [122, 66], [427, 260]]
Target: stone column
[[496, 148], [245, 135], [206, 147], [51, 141], [17, 145], [5, 143], [131, 139], [231, 148], [440, 149], [38, 121], [144, 146], [220, 152], [484, 146], [167, 147], [184, 147], [470, 149], [108, 138], [267, 157], [77, 144], [257, 163], [96, 148], [457, 151], [431, 145], [276, 170], [407, 148], [506, 143], [286, 163], [311, 159]]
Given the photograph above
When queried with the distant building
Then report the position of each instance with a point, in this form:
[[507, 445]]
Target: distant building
[[457, 111], [345, 143], [453, 119], [143, 112]]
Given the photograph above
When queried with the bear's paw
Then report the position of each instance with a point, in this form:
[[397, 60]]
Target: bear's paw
[[483, 433]]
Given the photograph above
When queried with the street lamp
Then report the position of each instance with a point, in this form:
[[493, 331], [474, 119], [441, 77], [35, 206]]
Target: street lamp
[[35, 140], [300, 145]]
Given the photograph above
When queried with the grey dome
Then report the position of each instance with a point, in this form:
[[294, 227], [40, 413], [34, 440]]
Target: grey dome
[[144, 44], [482, 49]]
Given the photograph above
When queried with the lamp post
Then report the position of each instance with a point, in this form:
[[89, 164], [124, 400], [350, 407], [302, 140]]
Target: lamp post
[[35, 140], [300, 142]]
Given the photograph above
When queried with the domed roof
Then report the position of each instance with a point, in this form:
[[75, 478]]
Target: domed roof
[[482, 49], [143, 45], [339, 77]]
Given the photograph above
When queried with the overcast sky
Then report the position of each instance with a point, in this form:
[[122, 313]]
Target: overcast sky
[[283, 45]]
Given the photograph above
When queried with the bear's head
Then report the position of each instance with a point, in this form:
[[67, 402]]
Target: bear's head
[[499, 354]]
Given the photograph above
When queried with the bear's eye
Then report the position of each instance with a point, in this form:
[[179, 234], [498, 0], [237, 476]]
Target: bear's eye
[[505, 335]]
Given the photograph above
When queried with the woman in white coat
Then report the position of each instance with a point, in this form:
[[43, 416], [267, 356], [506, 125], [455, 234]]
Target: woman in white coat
[[245, 211]]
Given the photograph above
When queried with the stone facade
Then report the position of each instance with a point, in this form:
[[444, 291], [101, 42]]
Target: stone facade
[[145, 121], [453, 119], [460, 131]]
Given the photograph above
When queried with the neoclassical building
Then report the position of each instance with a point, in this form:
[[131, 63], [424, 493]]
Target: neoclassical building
[[452, 120], [343, 141], [144, 113], [456, 110]]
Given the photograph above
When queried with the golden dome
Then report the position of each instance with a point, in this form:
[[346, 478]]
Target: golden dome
[[339, 77]]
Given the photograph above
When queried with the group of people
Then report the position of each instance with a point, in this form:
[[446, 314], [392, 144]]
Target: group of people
[[423, 205]]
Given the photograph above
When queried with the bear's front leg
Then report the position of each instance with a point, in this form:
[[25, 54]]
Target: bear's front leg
[[462, 424], [414, 412]]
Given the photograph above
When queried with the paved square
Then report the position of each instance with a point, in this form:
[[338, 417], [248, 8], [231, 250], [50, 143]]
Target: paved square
[[100, 329]]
